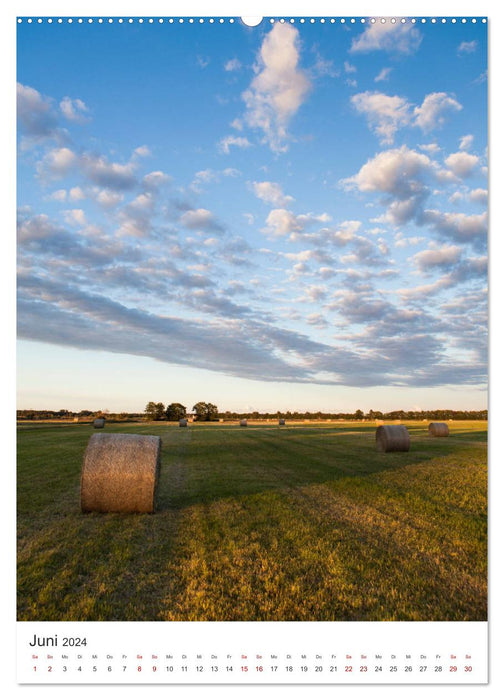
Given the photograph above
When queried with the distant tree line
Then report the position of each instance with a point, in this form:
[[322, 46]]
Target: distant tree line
[[204, 411], [66, 415], [438, 414]]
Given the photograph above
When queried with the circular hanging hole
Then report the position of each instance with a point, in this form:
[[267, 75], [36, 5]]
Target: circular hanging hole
[[252, 21]]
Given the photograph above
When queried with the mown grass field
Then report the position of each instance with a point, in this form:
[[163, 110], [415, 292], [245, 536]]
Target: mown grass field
[[303, 522]]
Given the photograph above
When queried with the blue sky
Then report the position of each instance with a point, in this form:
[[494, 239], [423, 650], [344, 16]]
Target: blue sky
[[291, 216]]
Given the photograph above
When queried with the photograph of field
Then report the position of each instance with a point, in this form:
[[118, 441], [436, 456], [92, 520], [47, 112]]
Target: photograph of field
[[302, 522], [288, 219]]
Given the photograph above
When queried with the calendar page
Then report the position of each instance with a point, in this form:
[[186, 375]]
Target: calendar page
[[252, 347]]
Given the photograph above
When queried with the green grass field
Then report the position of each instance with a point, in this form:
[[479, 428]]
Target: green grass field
[[304, 522]]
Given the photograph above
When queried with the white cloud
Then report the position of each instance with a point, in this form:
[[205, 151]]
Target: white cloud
[[385, 113], [75, 216], [205, 177], [394, 38], [76, 193], [400, 173], [339, 236], [444, 257], [238, 141], [232, 65], [431, 114], [135, 217], [272, 193], [302, 256], [326, 272], [393, 171], [467, 47], [444, 176], [462, 164], [383, 75], [460, 271], [58, 196], [281, 222], [37, 228], [115, 176], [466, 142], [456, 197], [482, 78], [155, 179], [349, 68], [479, 195], [108, 199], [142, 152], [57, 162], [366, 252], [74, 110], [317, 320], [231, 172], [315, 292], [199, 219], [429, 147], [143, 202], [279, 88], [459, 227], [35, 114], [402, 242], [324, 67]]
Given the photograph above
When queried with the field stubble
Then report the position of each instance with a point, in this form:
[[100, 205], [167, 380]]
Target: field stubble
[[294, 523]]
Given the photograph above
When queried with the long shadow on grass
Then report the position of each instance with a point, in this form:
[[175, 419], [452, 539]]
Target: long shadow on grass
[[216, 466]]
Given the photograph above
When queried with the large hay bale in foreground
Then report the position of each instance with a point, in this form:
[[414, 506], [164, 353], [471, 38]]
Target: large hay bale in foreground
[[120, 473], [99, 423], [439, 429], [392, 438], [281, 421], [182, 423], [243, 422]]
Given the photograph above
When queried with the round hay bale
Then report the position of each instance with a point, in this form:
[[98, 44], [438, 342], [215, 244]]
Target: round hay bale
[[120, 473], [439, 429], [99, 423], [182, 423], [243, 422], [281, 421], [392, 438]]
